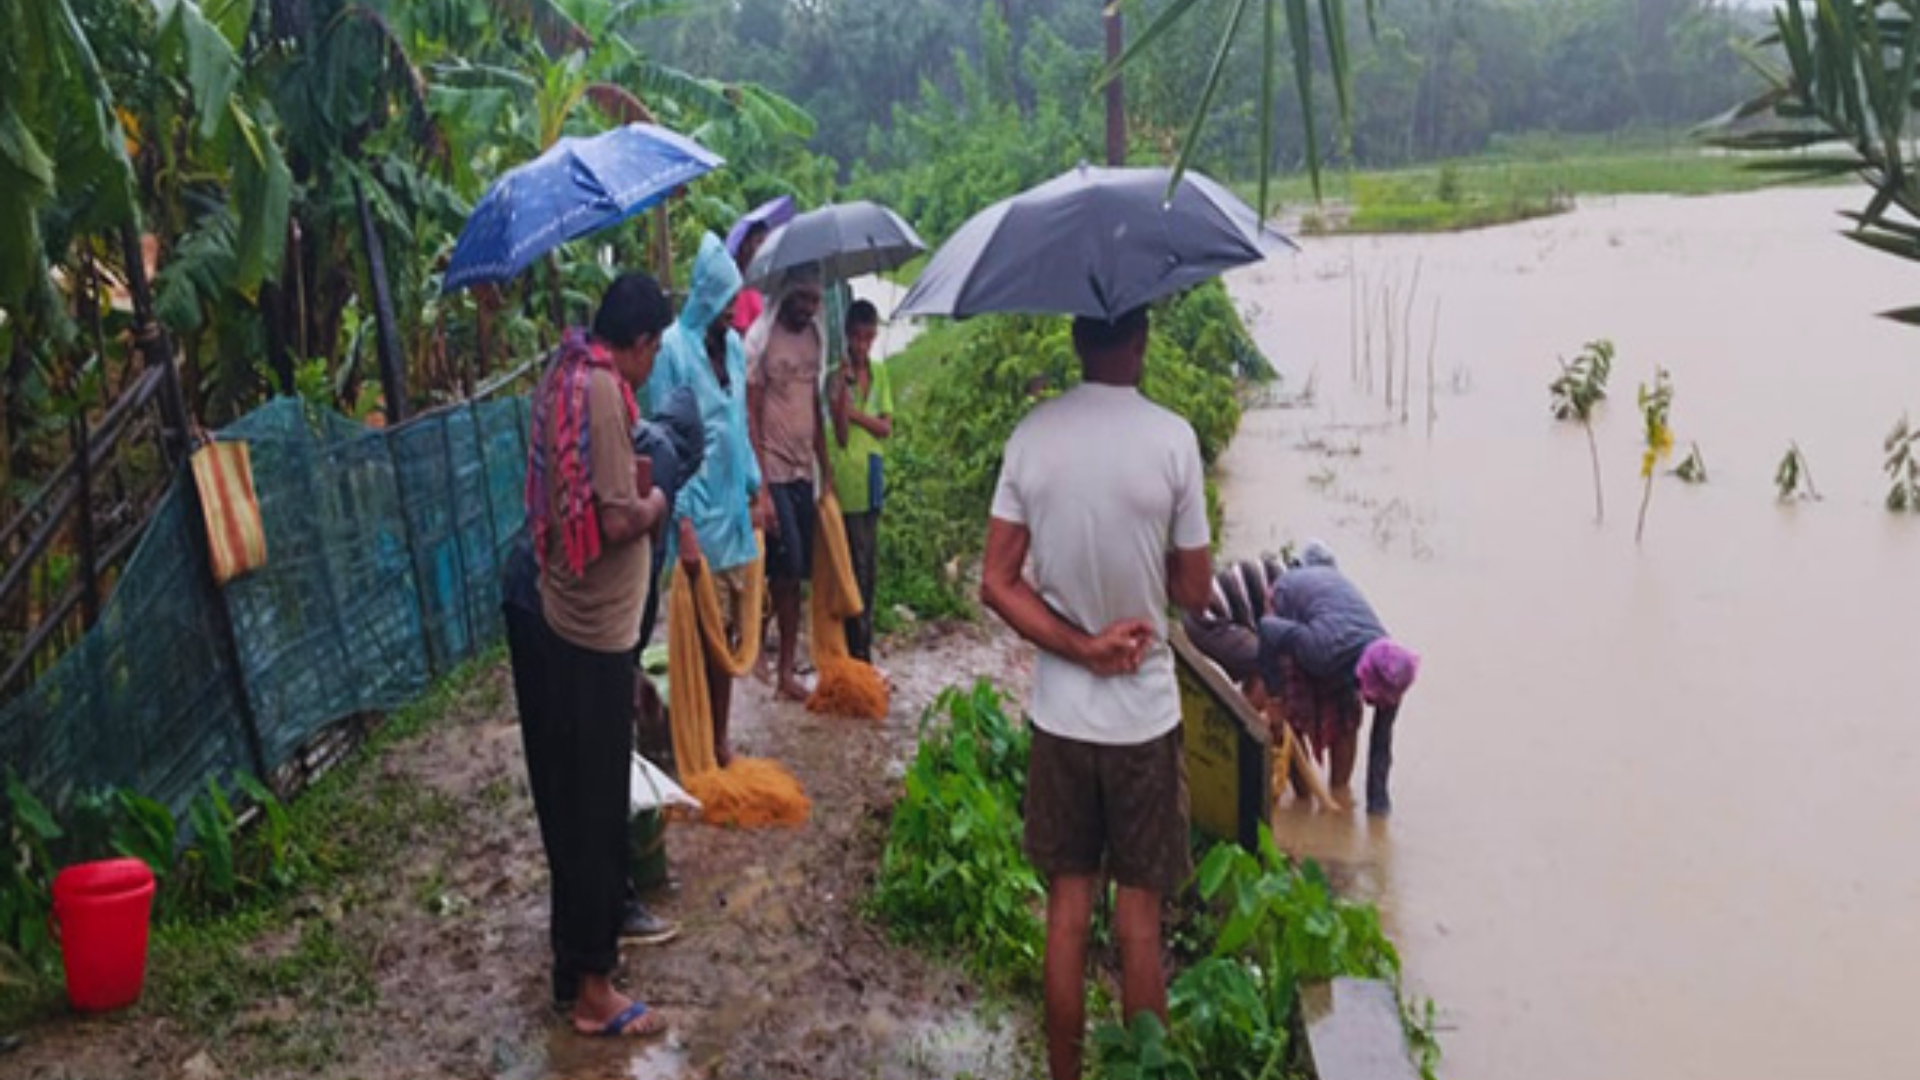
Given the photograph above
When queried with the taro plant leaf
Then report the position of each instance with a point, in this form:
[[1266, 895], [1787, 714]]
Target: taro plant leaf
[[147, 831], [212, 819], [30, 812]]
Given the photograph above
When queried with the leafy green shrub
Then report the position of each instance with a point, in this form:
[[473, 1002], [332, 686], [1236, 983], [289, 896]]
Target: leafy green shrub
[[222, 866], [1232, 1014], [953, 875], [27, 865], [964, 387]]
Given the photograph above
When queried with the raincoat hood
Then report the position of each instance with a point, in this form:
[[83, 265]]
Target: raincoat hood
[[716, 280]]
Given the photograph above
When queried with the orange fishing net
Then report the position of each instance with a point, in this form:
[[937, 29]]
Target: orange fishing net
[[847, 687], [751, 791]]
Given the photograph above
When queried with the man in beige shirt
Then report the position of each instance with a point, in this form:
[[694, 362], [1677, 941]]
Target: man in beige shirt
[[592, 509], [785, 353]]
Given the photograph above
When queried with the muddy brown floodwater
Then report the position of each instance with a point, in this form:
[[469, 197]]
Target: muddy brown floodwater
[[1655, 807]]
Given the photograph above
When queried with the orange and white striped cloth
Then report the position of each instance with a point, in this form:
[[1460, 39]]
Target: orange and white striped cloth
[[236, 537]]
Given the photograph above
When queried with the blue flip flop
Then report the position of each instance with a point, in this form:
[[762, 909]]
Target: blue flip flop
[[617, 1027]]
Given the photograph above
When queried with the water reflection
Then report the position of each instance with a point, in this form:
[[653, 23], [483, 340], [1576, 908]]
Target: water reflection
[[1654, 806]]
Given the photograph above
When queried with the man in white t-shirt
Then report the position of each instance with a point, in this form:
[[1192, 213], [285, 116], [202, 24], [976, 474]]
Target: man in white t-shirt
[[1105, 492]]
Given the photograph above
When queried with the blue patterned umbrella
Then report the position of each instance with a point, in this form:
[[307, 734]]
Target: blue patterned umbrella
[[579, 186]]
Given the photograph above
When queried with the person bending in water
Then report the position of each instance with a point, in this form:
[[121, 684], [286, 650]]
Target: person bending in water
[[1323, 651]]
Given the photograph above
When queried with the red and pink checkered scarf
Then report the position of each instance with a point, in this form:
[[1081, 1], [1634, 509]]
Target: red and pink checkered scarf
[[560, 457]]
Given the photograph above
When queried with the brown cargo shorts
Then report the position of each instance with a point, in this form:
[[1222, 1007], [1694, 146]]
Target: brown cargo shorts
[[1119, 809]]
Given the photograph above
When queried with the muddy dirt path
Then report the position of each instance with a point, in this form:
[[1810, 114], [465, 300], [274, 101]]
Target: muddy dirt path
[[775, 974]]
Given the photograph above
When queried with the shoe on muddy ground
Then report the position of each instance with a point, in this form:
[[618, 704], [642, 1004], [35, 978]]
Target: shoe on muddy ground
[[639, 926]]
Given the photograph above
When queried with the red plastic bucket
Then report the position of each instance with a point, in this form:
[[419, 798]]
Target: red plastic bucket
[[100, 915]]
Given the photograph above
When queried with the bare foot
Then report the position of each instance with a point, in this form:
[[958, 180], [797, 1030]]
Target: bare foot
[[791, 690], [723, 755], [1343, 798]]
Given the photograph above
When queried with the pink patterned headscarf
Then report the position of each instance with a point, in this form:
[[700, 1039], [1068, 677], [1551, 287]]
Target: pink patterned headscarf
[[1386, 672]]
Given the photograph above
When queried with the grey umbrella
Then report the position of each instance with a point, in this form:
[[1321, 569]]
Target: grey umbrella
[[1096, 242], [845, 239]]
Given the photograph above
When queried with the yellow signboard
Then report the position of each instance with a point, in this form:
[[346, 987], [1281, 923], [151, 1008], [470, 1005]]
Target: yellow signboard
[[1227, 768]]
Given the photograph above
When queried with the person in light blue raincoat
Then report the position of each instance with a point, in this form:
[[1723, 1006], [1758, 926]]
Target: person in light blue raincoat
[[720, 507]]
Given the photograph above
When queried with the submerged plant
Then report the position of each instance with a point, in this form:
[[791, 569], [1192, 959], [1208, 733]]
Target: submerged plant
[[1693, 470], [1656, 408], [1903, 467], [1581, 386], [1792, 478]]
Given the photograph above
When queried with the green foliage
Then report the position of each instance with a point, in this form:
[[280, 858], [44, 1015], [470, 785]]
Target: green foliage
[[953, 874], [1792, 479], [1233, 1013], [1140, 1051], [1225, 1021], [944, 158], [1903, 468], [962, 388], [1847, 91], [217, 885], [1582, 384], [27, 864], [1283, 916], [1579, 388], [1692, 470], [1656, 408]]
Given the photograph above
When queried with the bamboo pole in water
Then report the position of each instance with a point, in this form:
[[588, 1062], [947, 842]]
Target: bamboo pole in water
[[1387, 334], [1353, 320], [1406, 346], [1433, 342], [1366, 315]]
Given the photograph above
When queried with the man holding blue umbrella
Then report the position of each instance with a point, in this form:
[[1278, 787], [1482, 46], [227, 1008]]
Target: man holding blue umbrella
[[592, 509]]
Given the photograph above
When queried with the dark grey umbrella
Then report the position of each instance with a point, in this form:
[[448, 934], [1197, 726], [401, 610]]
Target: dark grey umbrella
[[1096, 242], [846, 240]]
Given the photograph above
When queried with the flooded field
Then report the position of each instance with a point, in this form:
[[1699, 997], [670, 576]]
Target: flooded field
[[1655, 806]]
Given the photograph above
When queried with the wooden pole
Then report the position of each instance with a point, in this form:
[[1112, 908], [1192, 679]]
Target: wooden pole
[[1116, 90], [393, 375], [156, 351]]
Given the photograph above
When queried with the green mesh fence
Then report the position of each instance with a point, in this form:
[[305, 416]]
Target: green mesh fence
[[383, 555]]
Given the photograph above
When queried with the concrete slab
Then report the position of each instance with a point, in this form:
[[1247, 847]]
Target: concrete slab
[[1354, 1032]]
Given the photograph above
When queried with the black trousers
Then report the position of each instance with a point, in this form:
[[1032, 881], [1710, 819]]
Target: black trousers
[[576, 720], [863, 543], [1380, 758]]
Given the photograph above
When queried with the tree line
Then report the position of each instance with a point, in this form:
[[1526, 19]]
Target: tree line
[[1430, 78]]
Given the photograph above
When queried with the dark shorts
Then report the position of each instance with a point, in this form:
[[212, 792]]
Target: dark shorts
[[790, 552], [1121, 809]]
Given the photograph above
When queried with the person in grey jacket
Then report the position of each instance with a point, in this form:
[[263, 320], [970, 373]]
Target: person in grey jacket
[[1324, 652]]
